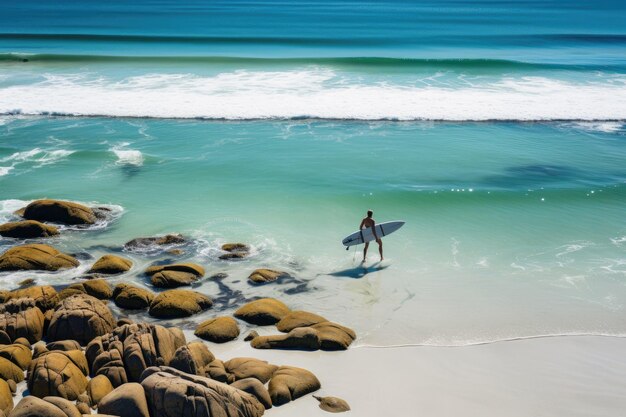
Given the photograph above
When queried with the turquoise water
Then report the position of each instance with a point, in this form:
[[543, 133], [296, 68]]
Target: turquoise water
[[496, 130]]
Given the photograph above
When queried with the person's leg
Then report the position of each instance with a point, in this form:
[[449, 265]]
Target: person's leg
[[380, 248], [365, 251]]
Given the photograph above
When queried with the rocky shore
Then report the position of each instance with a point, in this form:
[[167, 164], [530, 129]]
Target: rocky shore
[[77, 355]]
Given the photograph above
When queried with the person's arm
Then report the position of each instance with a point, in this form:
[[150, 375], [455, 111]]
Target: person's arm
[[362, 222], [374, 229]]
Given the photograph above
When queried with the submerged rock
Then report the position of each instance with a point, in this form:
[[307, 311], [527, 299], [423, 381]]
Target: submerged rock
[[234, 251], [57, 211], [143, 243], [111, 264], [178, 303], [263, 276], [218, 329], [35, 257], [27, 229], [332, 404], [263, 312]]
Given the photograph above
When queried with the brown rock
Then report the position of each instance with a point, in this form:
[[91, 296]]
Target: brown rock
[[262, 312], [98, 288], [255, 387], [111, 264], [20, 318], [45, 296], [27, 229], [263, 276], [58, 373], [235, 247], [304, 338], [9, 370], [97, 388], [218, 329], [12, 385], [35, 257], [131, 297], [334, 336], [171, 393], [56, 211], [332, 404], [80, 318], [192, 358], [68, 292], [31, 406], [6, 397], [83, 408], [217, 372], [17, 353], [174, 275], [290, 383], [63, 345], [178, 303], [298, 319], [241, 368], [251, 335], [127, 400]]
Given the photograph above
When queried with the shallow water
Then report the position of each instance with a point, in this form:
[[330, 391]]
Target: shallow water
[[513, 229]]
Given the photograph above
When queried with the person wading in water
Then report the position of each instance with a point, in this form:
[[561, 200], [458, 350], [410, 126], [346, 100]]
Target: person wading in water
[[368, 222]]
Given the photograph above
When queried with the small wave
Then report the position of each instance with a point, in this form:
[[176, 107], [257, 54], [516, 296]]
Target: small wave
[[38, 156], [5, 170], [602, 127], [127, 157]]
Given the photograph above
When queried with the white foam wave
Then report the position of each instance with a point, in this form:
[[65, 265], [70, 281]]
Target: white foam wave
[[127, 157], [603, 127], [5, 170], [316, 92]]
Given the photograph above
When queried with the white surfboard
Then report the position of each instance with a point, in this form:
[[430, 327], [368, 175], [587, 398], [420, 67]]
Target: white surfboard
[[366, 235]]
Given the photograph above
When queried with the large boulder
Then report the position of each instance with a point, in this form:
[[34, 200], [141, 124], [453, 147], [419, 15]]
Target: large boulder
[[218, 329], [27, 229], [18, 353], [334, 336], [128, 400], [45, 296], [298, 319], [263, 276], [255, 387], [289, 383], [20, 318], [31, 406], [174, 275], [178, 303], [98, 288], [111, 264], [9, 370], [217, 371], [241, 368], [81, 318], [56, 211], [172, 393], [97, 388], [131, 297], [192, 358], [6, 397], [263, 312], [58, 373], [303, 338], [35, 257]]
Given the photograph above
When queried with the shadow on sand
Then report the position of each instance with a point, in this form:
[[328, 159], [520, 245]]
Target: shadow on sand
[[359, 271]]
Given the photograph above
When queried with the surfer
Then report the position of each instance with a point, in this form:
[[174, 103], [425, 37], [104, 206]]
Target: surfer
[[368, 222]]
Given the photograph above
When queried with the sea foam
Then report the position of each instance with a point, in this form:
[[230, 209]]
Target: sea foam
[[317, 92]]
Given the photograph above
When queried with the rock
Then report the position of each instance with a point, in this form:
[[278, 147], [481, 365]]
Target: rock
[[98, 288], [303, 338], [217, 371], [128, 400], [143, 243], [235, 247], [218, 329], [263, 276], [63, 345], [31, 406], [111, 365], [35, 257], [123, 321], [68, 292], [241, 368], [97, 388], [131, 297], [174, 275], [111, 264], [233, 255], [55, 211], [27, 229], [45, 296], [251, 335], [83, 408], [20, 318], [193, 358], [28, 282], [12, 385], [332, 404], [81, 318], [170, 391], [334, 336], [289, 383], [58, 373], [17, 353], [298, 319], [178, 303], [4, 338], [263, 312], [255, 387], [10, 370], [6, 397]]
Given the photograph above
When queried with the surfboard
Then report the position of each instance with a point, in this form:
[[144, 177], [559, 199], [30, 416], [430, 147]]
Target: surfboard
[[366, 235]]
